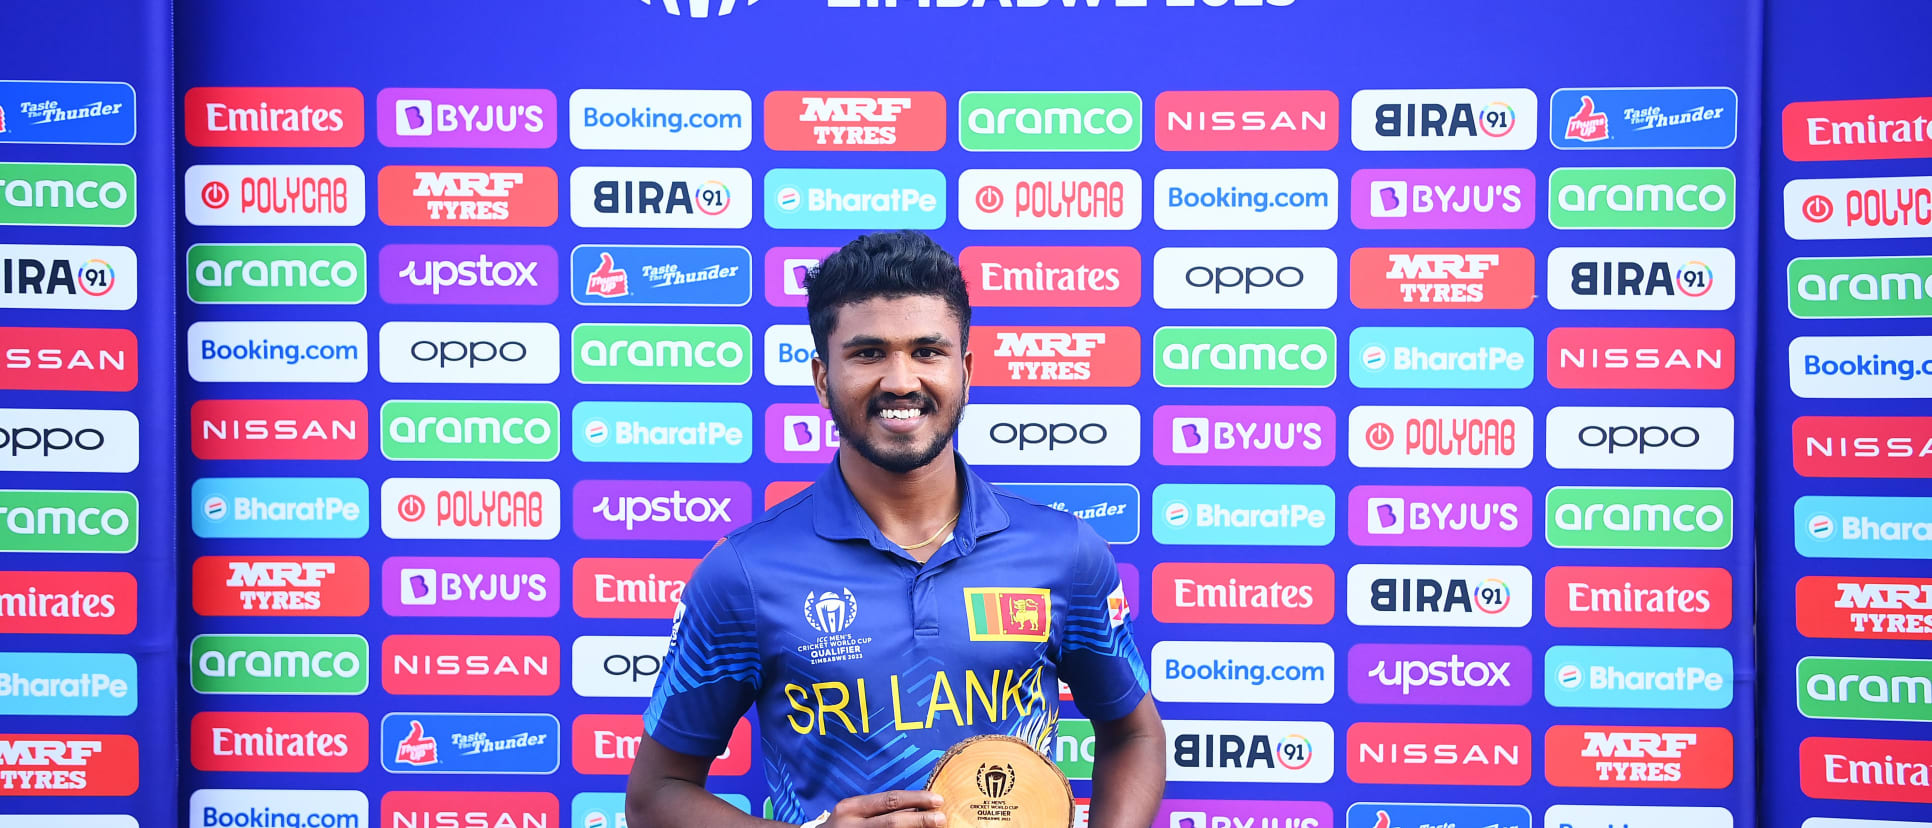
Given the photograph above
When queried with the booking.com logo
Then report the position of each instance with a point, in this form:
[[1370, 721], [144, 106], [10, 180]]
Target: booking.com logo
[[1260, 201]]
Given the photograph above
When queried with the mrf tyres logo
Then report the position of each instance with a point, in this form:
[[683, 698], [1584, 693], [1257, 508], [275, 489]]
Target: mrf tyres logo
[[1403, 595], [1897, 609], [67, 764], [281, 586], [855, 121], [468, 196], [1624, 756], [1047, 356]]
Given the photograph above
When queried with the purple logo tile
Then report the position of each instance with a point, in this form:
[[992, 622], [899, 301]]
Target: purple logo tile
[[1244, 435], [785, 269], [1472, 674], [1235, 813], [511, 118], [471, 587], [661, 510], [1130, 584], [800, 433], [1498, 199], [1486, 516], [468, 274]]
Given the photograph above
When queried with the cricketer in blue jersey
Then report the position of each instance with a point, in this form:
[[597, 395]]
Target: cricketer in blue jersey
[[898, 605]]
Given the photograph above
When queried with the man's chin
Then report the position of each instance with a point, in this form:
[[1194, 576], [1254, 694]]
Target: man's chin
[[901, 458]]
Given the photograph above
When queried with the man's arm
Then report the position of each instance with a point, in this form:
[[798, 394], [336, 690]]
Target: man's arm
[[1129, 769], [666, 790]]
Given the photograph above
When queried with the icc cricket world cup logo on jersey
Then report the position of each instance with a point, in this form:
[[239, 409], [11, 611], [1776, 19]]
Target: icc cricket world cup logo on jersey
[[831, 612]]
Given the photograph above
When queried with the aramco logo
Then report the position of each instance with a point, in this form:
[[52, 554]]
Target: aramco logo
[[831, 612], [700, 8]]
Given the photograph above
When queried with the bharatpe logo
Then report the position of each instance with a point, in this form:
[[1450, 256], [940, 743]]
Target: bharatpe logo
[[1863, 527], [470, 743], [279, 507], [1684, 117], [277, 274], [1638, 677], [1873, 689], [661, 432], [1441, 357], [1242, 515], [1049, 121], [1244, 357], [1609, 517], [659, 509], [67, 277], [1254, 672], [68, 684], [850, 199], [1643, 198], [69, 195], [470, 430], [59, 520], [303, 665], [651, 354], [1863, 287], [707, 276], [1461, 674], [66, 112]]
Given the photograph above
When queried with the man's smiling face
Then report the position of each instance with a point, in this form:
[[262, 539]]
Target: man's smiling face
[[894, 373]]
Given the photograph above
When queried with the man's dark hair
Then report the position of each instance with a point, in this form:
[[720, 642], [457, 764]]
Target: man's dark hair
[[884, 265]]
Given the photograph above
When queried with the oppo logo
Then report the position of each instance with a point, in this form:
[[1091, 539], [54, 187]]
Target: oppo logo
[[1581, 437], [1051, 435], [1055, 435]]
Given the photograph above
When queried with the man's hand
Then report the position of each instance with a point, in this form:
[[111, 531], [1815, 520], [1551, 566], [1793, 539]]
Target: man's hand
[[891, 809]]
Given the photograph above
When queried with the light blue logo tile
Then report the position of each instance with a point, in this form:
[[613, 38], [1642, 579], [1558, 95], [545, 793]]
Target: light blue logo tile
[[1229, 514], [1645, 677], [855, 199], [660, 432], [67, 684], [1441, 357], [1863, 527], [279, 507]]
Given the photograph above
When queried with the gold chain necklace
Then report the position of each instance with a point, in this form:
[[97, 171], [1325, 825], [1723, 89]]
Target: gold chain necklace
[[935, 535]]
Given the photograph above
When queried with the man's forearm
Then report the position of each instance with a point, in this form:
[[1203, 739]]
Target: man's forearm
[[1129, 777], [677, 803]]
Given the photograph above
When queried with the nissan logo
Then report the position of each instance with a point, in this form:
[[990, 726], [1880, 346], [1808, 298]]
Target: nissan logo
[[1248, 279], [1642, 438], [450, 352], [1051, 435]]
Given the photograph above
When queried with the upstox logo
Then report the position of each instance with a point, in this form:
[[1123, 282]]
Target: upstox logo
[[1442, 357], [1638, 677], [1874, 689], [48, 520], [1244, 357], [279, 507], [470, 430], [304, 665], [853, 199], [277, 274], [1860, 287], [1243, 514], [647, 354], [1049, 121], [1643, 198], [70, 195], [1863, 527], [1613, 517]]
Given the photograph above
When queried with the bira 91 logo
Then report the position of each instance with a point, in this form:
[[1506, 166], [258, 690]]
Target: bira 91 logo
[[1859, 130], [1053, 277], [606, 745], [279, 429], [1477, 278], [1441, 437], [658, 510], [1443, 119], [1623, 756], [507, 118], [272, 116], [1642, 278], [714, 198], [284, 586], [1867, 770], [496, 809], [1458, 674], [1470, 199], [279, 742], [1250, 751], [1882, 447], [67, 603], [468, 274], [470, 587], [1244, 435], [470, 743], [69, 277], [1056, 357], [1247, 120], [1858, 208], [1409, 753], [1895, 609], [629, 587], [1404, 595], [274, 195], [855, 121], [471, 508], [1243, 593], [1439, 516], [70, 359], [69, 764], [467, 196], [1638, 597], [471, 665], [1642, 359], [1049, 199]]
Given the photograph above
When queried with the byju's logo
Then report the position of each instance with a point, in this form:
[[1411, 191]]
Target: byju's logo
[[788, 268], [1460, 674], [1244, 435], [1439, 516], [68, 684], [279, 507], [67, 277], [1404, 595], [855, 199], [1226, 813], [659, 509], [68, 112], [1112, 509], [661, 432], [468, 274], [469, 743], [1683, 117], [509, 118], [1443, 119], [1499, 199], [1863, 527], [1642, 278], [1409, 357], [716, 198], [470, 587], [712, 276], [1638, 677], [800, 433], [1244, 514]]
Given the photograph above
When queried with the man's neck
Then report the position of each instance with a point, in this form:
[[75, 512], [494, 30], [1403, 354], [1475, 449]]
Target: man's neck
[[908, 507]]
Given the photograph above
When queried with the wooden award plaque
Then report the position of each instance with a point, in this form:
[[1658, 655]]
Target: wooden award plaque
[[1001, 782]]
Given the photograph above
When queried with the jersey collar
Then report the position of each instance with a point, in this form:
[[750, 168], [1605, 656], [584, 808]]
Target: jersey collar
[[836, 514]]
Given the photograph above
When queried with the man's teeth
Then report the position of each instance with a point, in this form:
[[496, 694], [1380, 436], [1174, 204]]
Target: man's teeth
[[899, 413]]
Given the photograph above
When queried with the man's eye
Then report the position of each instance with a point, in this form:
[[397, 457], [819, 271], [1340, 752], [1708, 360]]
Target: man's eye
[[867, 353], [928, 353]]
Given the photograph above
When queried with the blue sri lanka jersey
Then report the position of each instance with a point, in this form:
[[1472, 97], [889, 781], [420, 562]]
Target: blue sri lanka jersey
[[866, 666]]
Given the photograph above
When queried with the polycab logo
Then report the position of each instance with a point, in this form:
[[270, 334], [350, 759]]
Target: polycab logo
[[617, 666], [1227, 813], [1049, 199], [1247, 121], [467, 196], [70, 359], [408, 809], [1477, 278], [508, 118], [423, 508], [1246, 278], [1642, 278], [471, 665], [470, 587], [658, 510], [1860, 287], [1681, 117], [1638, 677], [67, 603], [69, 684], [274, 195], [69, 440], [278, 351], [1403, 595], [712, 198], [1439, 516], [468, 274], [1459, 674], [1590, 437], [1244, 435], [1051, 435], [1248, 199], [272, 116], [1410, 357], [279, 742], [1624, 756], [271, 586], [1642, 358], [1055, 277], [1896, 609], [1410, 753], [855, 121], [524, 353], [1056, 357], [607, 745], [1859, 130], [1638, 597], [1885, 447], [69, 764], [660, 119], [1255, 672], [279, 507], [73, 277], [800, 433], [629, 587], [279, 429], [1863, 527], [1867, 770], [1250, 751], [1441, 436], [1492, 199], [1443, 119], [1243, 593]]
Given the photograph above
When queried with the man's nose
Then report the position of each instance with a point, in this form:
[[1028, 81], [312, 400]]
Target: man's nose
[[899, 378]]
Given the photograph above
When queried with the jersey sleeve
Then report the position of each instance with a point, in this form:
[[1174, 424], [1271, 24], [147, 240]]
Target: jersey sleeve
[[712, 672], [1098, 660]]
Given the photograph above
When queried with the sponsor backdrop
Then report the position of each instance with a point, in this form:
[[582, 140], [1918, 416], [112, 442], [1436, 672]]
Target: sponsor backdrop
[[87, 395], [1846, 629]]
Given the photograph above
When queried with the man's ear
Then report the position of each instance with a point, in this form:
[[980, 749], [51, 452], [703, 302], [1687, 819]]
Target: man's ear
[[819, 382], [966, 387]]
